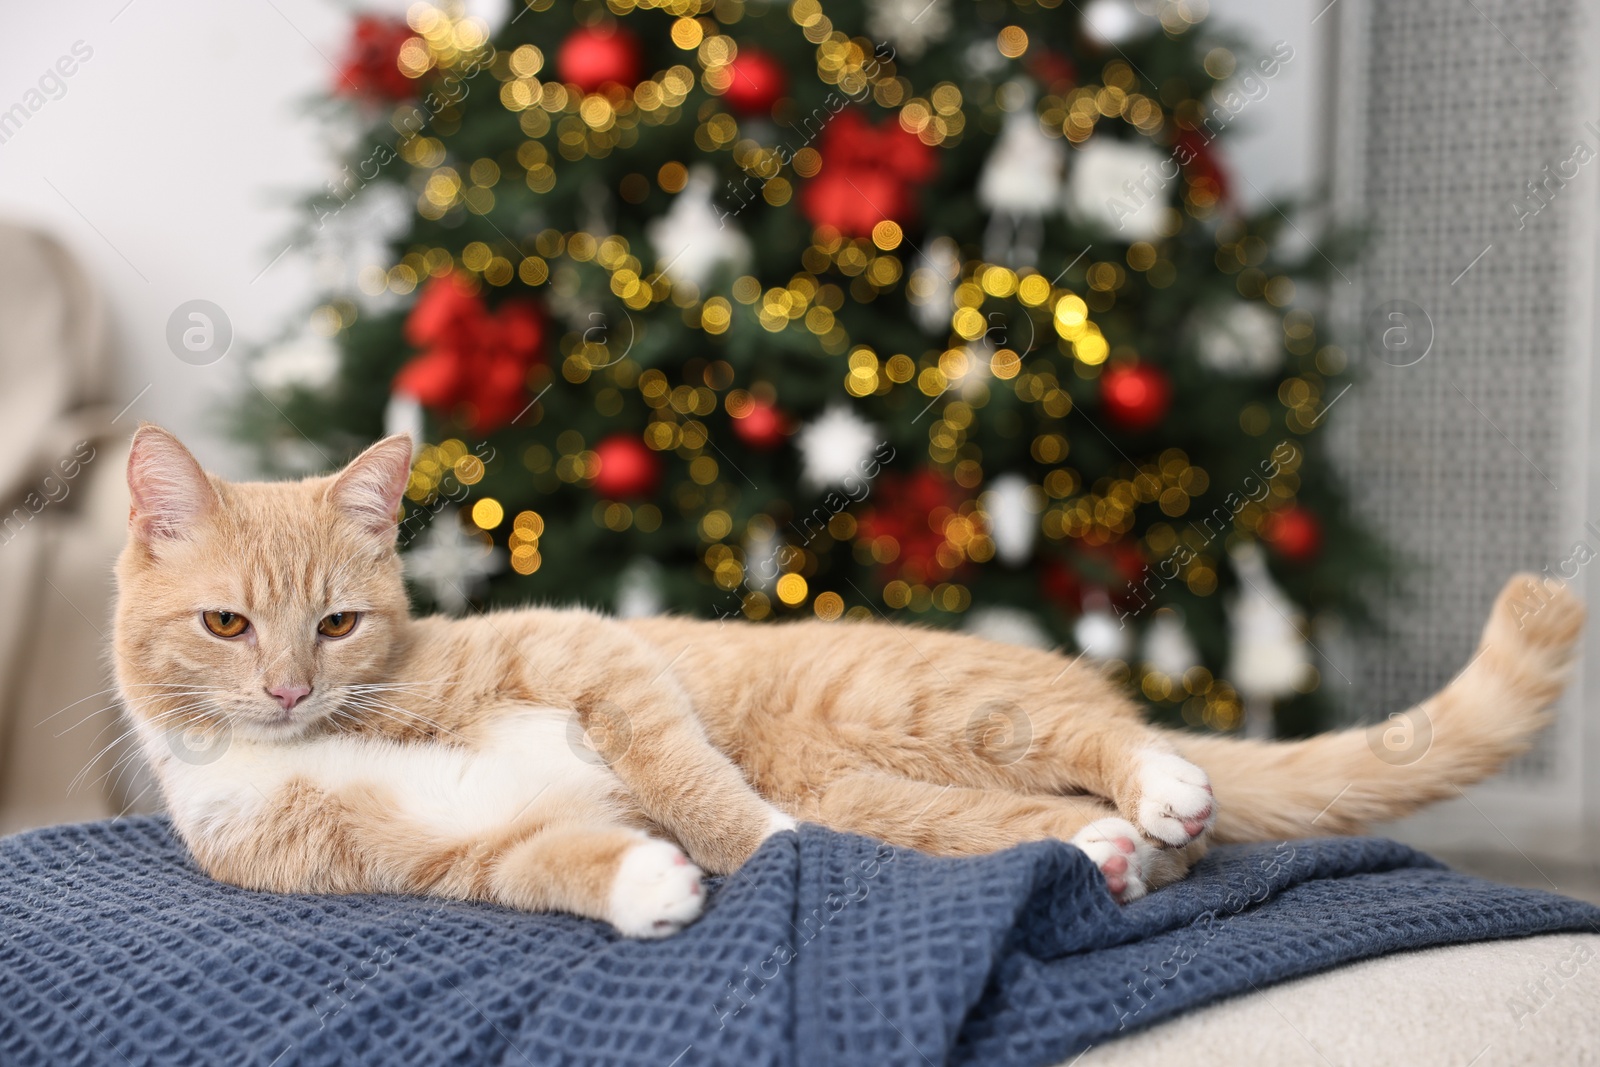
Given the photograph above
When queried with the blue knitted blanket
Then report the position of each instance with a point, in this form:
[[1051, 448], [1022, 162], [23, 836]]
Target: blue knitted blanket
[[825, 948]]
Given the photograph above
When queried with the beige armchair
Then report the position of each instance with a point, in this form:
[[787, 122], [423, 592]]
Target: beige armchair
[[63, 507]]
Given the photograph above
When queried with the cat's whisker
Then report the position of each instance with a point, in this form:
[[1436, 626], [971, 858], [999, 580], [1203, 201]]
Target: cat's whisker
[[375, 704], [153, 685], [405, 688], [112, 706], [89, 764], [93, 714], [369, 699], [161, 719], [403, 716], [129, 804], [435, 684], [372, 690], [128, 731], [111, 690], [124, 764]]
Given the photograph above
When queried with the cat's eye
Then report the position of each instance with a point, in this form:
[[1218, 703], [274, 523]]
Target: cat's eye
[[225, 623], [339, 624]]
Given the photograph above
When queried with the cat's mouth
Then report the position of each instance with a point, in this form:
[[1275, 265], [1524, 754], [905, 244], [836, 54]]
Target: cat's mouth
[[278, 724]]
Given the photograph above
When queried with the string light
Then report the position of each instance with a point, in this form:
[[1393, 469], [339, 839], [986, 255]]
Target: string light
[[1050, 324]]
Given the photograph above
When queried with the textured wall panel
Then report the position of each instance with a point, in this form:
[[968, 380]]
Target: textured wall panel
[[1460, 459]]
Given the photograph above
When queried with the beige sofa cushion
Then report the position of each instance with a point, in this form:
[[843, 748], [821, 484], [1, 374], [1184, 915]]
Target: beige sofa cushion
[[1532, 1000], [62, 511]]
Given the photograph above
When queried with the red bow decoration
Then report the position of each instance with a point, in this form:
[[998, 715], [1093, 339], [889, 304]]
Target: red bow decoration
[[371, 65], [869, 174], [472, 358]]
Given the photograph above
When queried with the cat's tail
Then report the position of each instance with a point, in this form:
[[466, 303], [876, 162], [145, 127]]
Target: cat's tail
[[1339, 782]]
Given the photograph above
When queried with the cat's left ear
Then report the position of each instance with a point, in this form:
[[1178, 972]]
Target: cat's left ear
[[368, 491]]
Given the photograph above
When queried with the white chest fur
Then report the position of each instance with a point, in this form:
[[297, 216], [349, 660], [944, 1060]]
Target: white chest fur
[[526, 761]]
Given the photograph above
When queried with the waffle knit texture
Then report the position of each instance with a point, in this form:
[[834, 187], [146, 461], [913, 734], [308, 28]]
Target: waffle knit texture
[[826, 948]]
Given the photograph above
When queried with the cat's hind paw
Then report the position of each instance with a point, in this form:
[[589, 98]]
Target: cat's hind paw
[[1175, 802], [1120, 851], [657, 891], [777, 823]]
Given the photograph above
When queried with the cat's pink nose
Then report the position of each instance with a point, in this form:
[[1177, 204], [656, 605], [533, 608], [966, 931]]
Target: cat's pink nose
[[288, 696]]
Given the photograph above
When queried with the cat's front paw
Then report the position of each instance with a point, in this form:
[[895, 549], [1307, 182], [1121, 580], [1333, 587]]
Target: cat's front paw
[[1120, 851], [1175, 804], [657, 891]]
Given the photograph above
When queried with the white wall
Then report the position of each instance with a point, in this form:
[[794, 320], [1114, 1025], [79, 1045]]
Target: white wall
[[168, 165], [1278, 143], [169, 162]]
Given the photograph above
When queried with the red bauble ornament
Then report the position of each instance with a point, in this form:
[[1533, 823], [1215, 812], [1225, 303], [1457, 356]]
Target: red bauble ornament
[[627, 468], [763, 427], [1293, 533], [371, 64], [869, 174], [853, 204], [1135, 397], [758, 82], [1061, 585], [1052, 68], [474, 362], [591, 57]]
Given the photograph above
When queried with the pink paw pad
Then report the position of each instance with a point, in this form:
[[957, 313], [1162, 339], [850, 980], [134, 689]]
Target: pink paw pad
[[1193, 826], [1176, 803]]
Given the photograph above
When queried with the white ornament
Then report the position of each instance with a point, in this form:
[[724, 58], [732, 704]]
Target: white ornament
[[835, 446], [1243, 338], [1012, 505], [579, 311], [450, 565], [639, 590], [694, 237], [306, 362], [1019, 185], [934, 274], [295, 455], [973, 386], [1168, 649], [909, 25], [1023, 171], [359, 224], [1097, 632], [1109, 23], [1009, 626], [983, 59], [491, 13], [403, 414], [1120, 188], [1269, 657], [764, 553]]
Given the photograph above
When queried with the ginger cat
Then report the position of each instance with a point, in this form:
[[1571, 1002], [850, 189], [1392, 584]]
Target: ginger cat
[[309, 735]]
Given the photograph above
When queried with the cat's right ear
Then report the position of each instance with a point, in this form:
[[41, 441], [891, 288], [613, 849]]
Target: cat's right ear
[[369, 489], [170, 493]]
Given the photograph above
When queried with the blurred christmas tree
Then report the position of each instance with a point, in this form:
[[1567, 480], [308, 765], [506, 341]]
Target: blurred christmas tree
[[942, 311]]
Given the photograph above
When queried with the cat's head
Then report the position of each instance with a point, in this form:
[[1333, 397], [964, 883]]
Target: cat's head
[[254, 607]]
